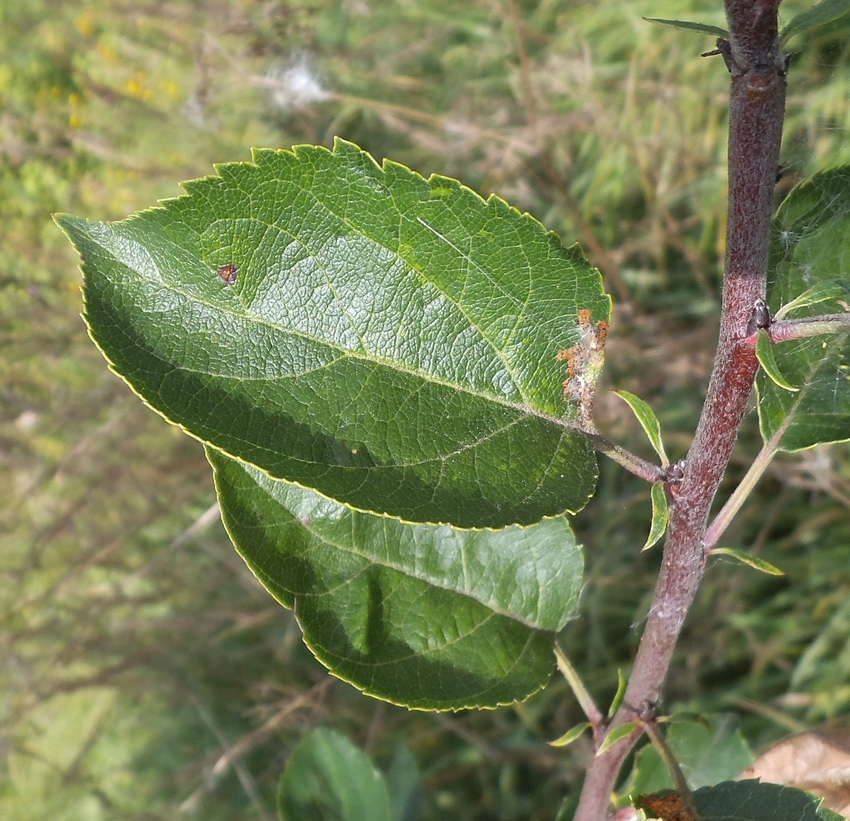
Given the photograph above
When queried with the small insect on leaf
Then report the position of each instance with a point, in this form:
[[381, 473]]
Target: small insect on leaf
[[228, 273]]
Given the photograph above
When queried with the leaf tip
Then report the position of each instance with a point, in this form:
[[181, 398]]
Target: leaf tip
[[571, 735], [752, 561], [76, 229]]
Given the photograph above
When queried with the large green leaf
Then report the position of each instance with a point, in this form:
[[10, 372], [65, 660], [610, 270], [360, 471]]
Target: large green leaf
[[810, 247], [759, 801], [327, 778], [393, 342], [422, 615]]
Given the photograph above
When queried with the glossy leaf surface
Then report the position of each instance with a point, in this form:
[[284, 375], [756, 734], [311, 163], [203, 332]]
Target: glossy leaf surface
[[388, 340], [810, 247], [422, 615]]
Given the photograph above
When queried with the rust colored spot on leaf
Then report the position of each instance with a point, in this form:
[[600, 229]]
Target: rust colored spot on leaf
[[228, 273], [584, 362], [668, 806]]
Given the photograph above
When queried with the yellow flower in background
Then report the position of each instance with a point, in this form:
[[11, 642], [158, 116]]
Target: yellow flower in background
[[84, 23], [106, 53]]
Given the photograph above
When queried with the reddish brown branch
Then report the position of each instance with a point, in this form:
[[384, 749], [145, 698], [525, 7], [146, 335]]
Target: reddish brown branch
[[757, 102]]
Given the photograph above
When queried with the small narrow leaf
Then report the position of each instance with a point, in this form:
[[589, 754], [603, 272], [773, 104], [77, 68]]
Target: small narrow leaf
[[810, 246], [617, 734], [618, 696], [703, 28], [822, 292], [764, 353], [328, 777], [571, 735], [745, 558], [390, 341], [648, 420], [827, 11], [660, 515], [426, 616]]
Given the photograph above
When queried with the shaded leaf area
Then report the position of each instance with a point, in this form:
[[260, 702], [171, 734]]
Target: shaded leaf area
[[422, 615], [389, 341], [757, 801], [328, 777], [810, 246]]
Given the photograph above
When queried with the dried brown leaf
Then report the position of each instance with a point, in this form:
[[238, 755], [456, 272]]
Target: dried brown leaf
[[818, 762]]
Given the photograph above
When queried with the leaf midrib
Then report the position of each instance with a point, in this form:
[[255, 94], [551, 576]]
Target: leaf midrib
[[521, 407]]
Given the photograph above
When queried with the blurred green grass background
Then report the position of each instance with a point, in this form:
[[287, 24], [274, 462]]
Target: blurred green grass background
[[144, 674]]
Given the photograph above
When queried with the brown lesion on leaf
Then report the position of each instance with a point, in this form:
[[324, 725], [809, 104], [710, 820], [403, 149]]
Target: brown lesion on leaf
[[666, 805], [584, 363], [228, 273]]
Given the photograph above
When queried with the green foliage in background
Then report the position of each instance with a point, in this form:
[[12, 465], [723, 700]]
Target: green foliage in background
[[147, 670], [805, 257]]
